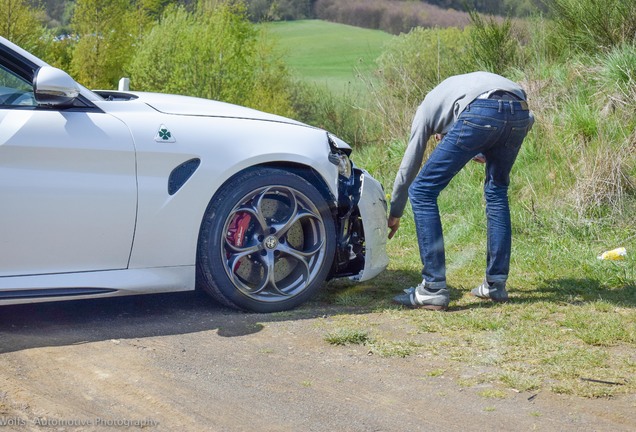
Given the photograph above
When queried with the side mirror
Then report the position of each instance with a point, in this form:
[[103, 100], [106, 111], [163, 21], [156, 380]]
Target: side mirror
[[54, 87]]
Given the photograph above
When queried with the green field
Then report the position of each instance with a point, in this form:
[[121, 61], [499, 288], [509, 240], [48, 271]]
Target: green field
[[327, 53]]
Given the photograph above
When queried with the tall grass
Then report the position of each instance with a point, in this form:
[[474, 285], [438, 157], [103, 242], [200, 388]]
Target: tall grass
[[573, 195], [493, 46], [410, 66], [591, 25]]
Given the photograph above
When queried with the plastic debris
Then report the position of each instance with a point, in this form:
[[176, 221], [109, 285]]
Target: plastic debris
[[614, 254]]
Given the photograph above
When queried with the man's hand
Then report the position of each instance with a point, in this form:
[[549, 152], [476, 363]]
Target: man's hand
[[394, 224], [480, 158]]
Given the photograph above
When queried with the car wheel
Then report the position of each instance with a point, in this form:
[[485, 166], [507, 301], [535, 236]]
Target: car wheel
[[267, 241]]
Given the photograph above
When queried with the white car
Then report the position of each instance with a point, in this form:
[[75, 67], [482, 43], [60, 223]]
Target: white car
[[113, 193]]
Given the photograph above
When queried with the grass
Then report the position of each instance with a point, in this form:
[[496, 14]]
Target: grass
[[327, 53], [570, 327], [343, 336]]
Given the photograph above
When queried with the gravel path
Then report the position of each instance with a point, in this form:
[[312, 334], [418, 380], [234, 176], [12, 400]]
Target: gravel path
[[181, 362]]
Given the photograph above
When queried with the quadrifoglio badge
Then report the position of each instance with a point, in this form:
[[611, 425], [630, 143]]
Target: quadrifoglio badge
[[164, 135]]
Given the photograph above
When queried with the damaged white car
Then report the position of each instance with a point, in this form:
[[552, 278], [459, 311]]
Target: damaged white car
[[115, 193]]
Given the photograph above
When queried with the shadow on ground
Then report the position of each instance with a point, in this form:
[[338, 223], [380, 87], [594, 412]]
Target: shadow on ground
[[81, 321]]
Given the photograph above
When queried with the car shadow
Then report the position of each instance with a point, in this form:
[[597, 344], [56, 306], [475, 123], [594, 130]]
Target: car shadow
[[82, 321]]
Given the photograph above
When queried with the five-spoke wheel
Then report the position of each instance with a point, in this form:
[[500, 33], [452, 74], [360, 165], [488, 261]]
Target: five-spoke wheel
[[267, 241]]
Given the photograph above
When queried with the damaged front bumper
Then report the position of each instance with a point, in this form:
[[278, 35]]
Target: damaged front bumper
[[362, 228]]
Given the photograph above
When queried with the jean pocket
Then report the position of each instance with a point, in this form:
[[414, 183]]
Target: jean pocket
[[517, 135], [473, 136]]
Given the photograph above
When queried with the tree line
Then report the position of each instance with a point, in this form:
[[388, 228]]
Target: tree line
[[58, 13]]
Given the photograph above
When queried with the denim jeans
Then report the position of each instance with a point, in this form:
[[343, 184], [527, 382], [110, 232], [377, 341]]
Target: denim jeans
[[495, 128]]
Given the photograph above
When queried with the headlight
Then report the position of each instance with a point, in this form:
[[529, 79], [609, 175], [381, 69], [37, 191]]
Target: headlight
[[339, 155], [343, 163]]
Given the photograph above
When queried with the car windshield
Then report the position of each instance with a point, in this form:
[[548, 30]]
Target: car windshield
[[90, 95]]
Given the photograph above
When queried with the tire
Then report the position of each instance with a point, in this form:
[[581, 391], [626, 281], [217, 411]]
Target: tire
[[267, 241]]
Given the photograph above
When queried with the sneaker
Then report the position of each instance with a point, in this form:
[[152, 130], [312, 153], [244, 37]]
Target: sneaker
[[495, 291], [421, 298]]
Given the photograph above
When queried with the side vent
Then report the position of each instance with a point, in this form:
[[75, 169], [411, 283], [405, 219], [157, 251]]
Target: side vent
[[181, 174]]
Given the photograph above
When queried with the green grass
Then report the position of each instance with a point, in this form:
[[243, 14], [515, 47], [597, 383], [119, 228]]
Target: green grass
[[327, 53], [571, 319], [570, 327], [349, 335]]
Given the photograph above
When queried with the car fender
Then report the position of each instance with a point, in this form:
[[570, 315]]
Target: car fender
[[166, 233]]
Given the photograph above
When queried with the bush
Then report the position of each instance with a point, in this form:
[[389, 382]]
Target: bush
[[592, 25], [493, 47], [21, 24], [411, 65], [214, 53], [103, 47], [277, 10], [317, 106]]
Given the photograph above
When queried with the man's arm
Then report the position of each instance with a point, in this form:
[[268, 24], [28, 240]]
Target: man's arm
[[412, 161]]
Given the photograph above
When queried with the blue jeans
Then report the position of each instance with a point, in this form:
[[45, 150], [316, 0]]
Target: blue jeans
[[495, 128]]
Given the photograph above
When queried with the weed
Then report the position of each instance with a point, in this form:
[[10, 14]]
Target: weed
[[393, 348], [522, 382], [493, 394], [345, 336]]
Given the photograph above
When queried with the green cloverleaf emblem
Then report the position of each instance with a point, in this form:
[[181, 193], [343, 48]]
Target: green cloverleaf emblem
[[164, 134]]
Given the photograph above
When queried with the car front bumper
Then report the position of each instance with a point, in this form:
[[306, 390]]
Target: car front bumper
[[373, 212], [361, 222]]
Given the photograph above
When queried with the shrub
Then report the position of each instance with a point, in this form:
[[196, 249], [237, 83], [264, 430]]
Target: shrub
[[493, 47], [411, 65], [590, 25], [215, 53], [21, 24], [317, 106], [277, 10], [103, 47]]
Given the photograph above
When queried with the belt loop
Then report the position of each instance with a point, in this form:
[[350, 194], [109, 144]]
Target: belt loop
[[512, 107], [467, 109], [500, 105]]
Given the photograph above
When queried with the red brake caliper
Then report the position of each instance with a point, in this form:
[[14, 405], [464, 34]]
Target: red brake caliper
[[236, 231]]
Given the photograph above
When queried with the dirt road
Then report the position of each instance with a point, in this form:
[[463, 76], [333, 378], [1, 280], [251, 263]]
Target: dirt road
[[181, 362]]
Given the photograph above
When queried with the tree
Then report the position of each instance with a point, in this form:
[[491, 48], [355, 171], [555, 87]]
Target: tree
[[276, 10], [213, 52], [20, 23], [105, 39]]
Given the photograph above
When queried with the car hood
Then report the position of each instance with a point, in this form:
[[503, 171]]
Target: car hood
[[187, 105]]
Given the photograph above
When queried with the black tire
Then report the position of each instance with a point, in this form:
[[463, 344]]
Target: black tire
[[267, 241]]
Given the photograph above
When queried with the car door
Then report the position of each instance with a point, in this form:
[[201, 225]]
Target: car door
[[68, 192]]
